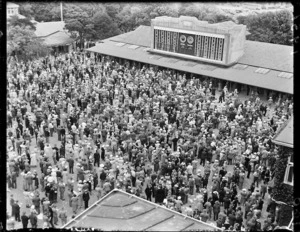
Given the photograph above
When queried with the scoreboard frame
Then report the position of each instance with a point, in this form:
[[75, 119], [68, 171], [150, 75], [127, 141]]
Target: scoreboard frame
[[188, 44]]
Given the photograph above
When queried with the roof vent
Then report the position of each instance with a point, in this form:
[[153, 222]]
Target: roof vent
[[262, 70], [285, 75], [120, 44], [133, 47], [240, 66]]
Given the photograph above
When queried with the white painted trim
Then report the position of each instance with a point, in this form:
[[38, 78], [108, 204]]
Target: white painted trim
[[190, 32], [66, 226], [287, 171], [195, 58]]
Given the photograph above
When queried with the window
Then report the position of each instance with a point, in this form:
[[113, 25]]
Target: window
[[289, 172]]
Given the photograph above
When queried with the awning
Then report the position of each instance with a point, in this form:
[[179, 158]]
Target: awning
[[285, 136], [121, 211], [247, 76]]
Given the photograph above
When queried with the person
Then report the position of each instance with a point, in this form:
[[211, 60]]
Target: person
[[204, 216], [86, 198], [17, 211], [12, 202], [74, 203], [24, 219], [63, 216], [263, 189], [33, 220], [216, 210], [96, 158], [51, 215]]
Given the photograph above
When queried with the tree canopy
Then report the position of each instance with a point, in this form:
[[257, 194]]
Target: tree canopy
[[270, 27], [22, 41], [94, 21], [16, 21]]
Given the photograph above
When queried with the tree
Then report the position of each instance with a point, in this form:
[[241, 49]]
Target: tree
[[16, 21], [79, 24], [104, 26], [21, 40], [270, 27]]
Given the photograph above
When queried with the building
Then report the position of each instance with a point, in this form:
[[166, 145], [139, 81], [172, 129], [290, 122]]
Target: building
[[217, 51], [54, 35], [121, 211], [283, 190], [13, 9]]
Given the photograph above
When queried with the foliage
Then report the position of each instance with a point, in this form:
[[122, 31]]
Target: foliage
[[41, 11], [270, 27], [79, 23], [21, 40], [16, 21], [285, 215], [104, 26], [83, 19], [282, 192]]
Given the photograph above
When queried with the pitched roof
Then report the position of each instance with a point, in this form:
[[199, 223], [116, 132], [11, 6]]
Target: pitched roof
[[265, 55], [57, 39], [10, 4], [125, 212], [285, 136], [48, 28], [248, 76]]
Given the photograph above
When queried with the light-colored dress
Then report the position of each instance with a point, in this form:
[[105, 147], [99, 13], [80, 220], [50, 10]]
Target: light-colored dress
[[33, 161]]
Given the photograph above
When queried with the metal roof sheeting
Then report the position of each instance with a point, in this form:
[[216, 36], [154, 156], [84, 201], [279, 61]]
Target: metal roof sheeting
[[122, 211], [48, 28], [247, 76], [59, 38]]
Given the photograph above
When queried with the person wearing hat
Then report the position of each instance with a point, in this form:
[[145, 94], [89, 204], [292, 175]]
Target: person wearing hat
[[86, 198]]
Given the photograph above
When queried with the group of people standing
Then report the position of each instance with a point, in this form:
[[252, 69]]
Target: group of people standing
[[152, 133]]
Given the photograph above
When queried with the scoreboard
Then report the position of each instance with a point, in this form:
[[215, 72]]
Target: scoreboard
[[201, 45]]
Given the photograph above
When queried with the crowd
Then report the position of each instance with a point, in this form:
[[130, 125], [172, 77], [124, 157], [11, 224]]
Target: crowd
[[152, 133]]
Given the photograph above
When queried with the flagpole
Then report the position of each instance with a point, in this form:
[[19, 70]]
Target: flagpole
[[61, 12]]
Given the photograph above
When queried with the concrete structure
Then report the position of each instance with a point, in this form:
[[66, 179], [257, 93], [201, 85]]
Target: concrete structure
[[234, 36], [255, 64], [121, 211], [54, 35]]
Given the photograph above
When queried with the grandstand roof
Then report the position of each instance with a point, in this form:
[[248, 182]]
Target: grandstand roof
[[259, 54], [126, 212], [245, 74]]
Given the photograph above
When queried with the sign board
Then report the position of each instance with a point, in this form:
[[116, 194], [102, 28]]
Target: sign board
[[202, 45]]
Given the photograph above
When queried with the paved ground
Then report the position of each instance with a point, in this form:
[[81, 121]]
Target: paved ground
[[18, 193]]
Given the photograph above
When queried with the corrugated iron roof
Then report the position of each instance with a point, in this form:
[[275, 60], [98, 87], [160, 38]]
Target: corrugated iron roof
[[125, 212], [247, 76], [265, 55], [48, 28], [285, 136], [58, 39]]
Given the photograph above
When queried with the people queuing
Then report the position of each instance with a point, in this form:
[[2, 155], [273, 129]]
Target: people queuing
[[153, 133]]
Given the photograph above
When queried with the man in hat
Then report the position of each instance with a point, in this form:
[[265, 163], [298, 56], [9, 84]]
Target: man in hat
[[86, 198]]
